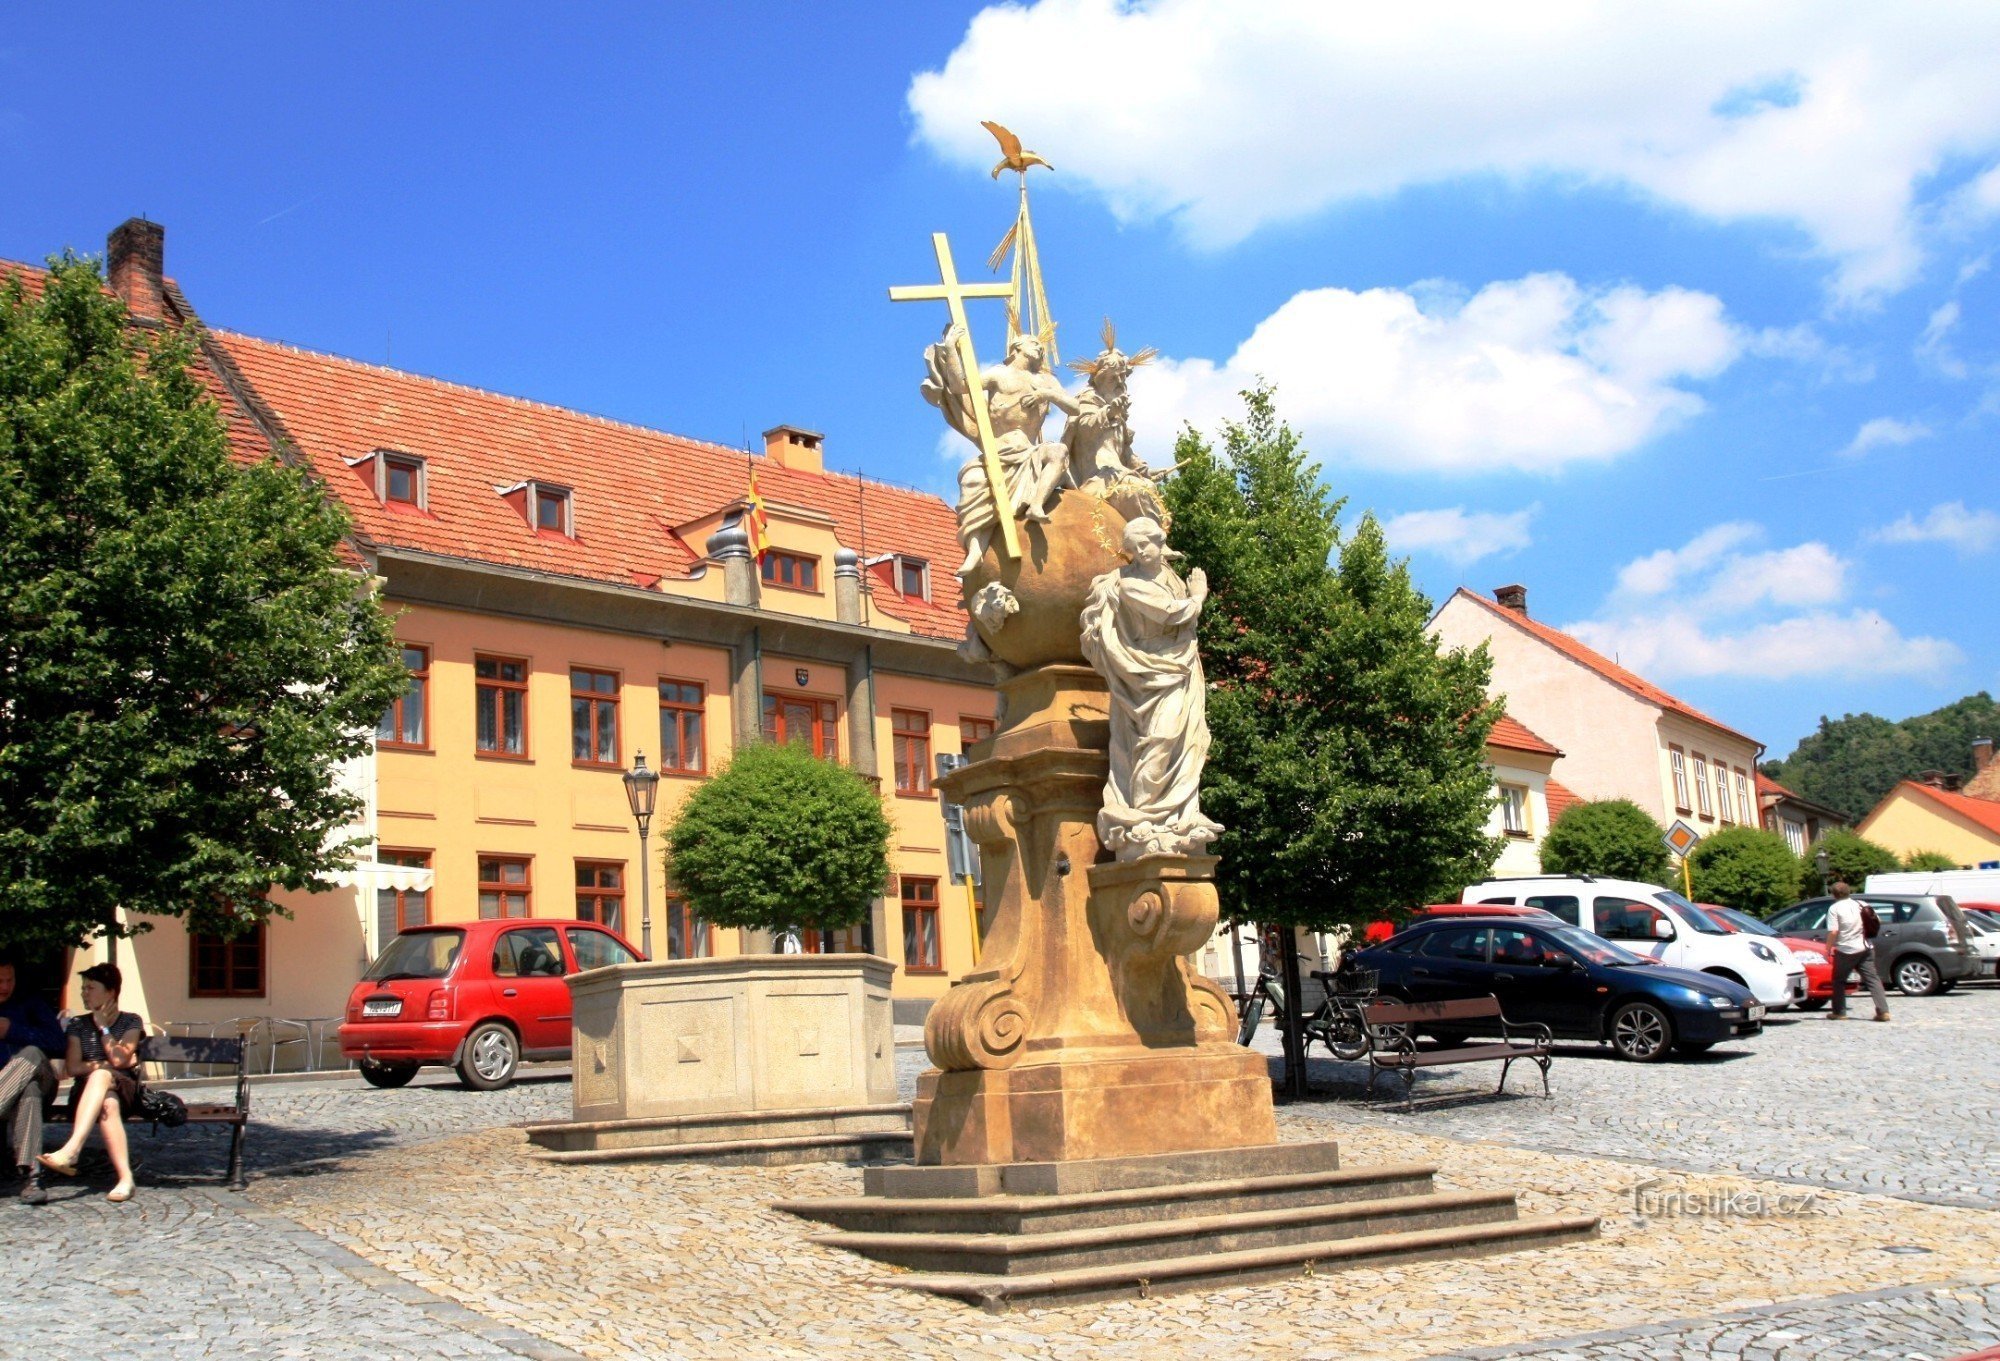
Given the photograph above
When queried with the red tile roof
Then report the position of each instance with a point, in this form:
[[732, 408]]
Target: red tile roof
[[1514, 735], [1981, 812], [1604, 666], [631, 485], [1561, 799], [1767, 785]]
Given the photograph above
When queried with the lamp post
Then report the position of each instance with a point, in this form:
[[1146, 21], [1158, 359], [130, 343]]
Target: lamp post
[[642, 786]]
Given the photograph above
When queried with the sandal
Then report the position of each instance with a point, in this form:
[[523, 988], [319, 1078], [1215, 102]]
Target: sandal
[[56, 1165], [119, 1194]]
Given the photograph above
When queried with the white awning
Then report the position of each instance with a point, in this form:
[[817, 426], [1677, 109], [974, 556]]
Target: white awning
[[369, 876]]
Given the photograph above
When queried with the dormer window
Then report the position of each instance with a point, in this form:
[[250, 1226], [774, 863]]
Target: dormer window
[[913, 577], [400, 480], [549, 508]]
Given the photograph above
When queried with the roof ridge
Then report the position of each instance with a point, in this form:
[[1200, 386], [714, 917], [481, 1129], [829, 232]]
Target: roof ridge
[[535, 404]]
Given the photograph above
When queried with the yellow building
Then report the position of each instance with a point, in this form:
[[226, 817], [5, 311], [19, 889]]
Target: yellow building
[[572, 592], [1917, 816]]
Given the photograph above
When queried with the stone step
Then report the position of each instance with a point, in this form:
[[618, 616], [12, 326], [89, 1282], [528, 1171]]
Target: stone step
[[849, 1147], [1103, 1174], [1145, 1279], [1015, 1214], [561, 1136], [1039, 1254]]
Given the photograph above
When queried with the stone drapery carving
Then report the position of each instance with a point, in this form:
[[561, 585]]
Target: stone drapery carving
[[1139, 634]]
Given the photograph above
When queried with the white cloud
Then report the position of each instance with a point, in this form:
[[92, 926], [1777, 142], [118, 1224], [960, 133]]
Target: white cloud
[[1460, 536], [1968, 531], [1935, 343], [1855, 645], [1529, 374], [1711, 608], [1884, 432], [1828, 117]]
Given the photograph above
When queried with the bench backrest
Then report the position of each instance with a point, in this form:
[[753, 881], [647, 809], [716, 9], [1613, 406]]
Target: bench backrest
[[218, 1053], [1429, 1013]]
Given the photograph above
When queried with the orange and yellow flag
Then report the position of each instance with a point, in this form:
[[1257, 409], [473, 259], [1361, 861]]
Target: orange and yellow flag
[[755, 522]]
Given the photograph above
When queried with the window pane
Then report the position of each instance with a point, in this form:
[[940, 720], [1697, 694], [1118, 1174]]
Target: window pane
[[691, 744], [607, 731], [579, 729], [488, 708], [514, 726], [513, 872], [413, 711]]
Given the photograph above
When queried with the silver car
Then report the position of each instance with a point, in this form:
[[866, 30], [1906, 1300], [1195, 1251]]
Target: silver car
[[1925, 945]]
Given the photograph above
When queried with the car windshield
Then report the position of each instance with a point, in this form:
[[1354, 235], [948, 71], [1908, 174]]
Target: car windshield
[[1695, 918], [1593, 948], [1743, 921], [417, 954]]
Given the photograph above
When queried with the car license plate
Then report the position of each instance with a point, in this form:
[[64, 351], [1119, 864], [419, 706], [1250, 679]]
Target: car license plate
[[382, 1006], [1756, 1011]]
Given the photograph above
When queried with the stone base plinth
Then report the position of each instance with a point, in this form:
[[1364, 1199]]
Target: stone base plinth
[[1125, 1103], [760, 1138]]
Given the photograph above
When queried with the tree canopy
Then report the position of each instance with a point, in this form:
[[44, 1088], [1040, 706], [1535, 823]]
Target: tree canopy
[[1850, 763], [1745, 868], [1930, 861], [1850, 857], [780, 838], [1348, 758], [1612, 837], [184, 661]]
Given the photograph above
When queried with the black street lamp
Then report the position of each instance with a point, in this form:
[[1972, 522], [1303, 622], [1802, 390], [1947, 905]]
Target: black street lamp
[[642, 786]]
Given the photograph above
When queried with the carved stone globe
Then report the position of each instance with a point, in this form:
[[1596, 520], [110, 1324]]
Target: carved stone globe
[[1029, 610]]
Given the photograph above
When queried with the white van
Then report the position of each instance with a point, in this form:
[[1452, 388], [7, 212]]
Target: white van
[[1649, 920], [1964, 886]]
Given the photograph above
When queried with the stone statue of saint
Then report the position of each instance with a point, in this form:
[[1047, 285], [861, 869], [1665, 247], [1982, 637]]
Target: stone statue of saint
[[1139, 632], [1099, 435], [1018, 394]]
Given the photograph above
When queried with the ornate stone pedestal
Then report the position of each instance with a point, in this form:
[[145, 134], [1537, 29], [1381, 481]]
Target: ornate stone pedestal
[[1086, 1034]]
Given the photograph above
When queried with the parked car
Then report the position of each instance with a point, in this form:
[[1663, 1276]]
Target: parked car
[[1985, 937], [1380, 931], [1925, 945], [1649, 920], [1809, 952], [478, 996], [1578, 984]]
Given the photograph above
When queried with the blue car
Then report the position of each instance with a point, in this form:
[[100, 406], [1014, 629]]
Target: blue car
[[1579, 985]]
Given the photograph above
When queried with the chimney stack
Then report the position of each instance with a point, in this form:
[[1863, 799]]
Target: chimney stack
[[136, 261], [791, 447], [1513, 598], [1982, 753]]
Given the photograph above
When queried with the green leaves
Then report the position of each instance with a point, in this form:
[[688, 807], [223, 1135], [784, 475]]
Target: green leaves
[[1851, 858], [1348, 757], [1745, 868], [781, 838], [184, 661], [1851, 763], [1612, 837]]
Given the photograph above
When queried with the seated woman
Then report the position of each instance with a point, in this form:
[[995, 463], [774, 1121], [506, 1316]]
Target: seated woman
[[103, 1057]]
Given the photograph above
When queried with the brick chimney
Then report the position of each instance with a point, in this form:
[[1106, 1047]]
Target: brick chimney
[[1513, 598], [136, 260], [792, 447], [1982, 753]]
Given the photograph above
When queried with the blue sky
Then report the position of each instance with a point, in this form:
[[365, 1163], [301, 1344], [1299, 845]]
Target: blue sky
[[1684, 318]]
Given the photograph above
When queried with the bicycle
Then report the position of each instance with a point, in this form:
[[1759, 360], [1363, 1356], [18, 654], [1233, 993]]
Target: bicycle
[[1338, 1022]]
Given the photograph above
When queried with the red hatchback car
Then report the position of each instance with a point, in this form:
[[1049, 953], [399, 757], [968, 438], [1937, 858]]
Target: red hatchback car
[[478, 996]]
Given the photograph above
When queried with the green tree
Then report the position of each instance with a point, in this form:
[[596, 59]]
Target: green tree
[[780, 838], [1348, 761], [1742, 867], [184, 661], [1851, 858], [1850, 763], [1929, 861], [1612, 837]]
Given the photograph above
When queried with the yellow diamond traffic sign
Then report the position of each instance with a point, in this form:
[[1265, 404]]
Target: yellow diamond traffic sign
[[1682, 838]]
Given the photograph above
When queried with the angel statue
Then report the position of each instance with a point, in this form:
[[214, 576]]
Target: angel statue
[[1018, 392], [1139, 633], [1099, 435]]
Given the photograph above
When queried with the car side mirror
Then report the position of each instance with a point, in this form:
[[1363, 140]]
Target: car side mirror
[[1663, 929], [1564, 963]]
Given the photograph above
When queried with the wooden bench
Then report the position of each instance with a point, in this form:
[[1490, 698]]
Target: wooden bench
[[1392, 1036], [207, 1053]]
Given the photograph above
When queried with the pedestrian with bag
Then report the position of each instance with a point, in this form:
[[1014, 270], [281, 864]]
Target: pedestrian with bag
[[1851, 927]]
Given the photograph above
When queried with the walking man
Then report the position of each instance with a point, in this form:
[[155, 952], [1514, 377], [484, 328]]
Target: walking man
[[1847, 940], [29, 1034]]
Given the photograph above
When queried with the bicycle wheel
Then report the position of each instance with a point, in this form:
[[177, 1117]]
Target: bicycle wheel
[[1253, 1012], [1347, 1038]]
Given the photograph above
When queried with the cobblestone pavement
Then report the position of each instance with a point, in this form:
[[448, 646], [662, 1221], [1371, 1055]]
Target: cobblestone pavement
[[367, 1233]]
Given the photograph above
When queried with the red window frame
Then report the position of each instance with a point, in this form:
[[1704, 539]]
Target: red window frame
[[238, 964], [845, 941], [593, 705], [541, 499], [410, 859], [683, 725], [972, 730], [911, 746], [396, 719], [493, 881], [497, 690], [789, 571], [923, 946], [600, 893], [913, 578], [825, 722], [410, 466], [688, 936]]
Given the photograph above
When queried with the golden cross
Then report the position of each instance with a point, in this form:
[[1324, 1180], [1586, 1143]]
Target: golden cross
[[954, 295]]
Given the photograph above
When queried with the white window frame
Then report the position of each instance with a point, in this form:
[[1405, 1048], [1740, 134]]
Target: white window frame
[[923, 570], [567, 495], [1514, 817], [1748, 813], [1725, 806], [1678, 760], [1703, 804]]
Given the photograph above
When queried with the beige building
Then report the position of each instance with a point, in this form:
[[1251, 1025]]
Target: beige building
[[1936, 813], [1621, 736], [1521, 763]]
